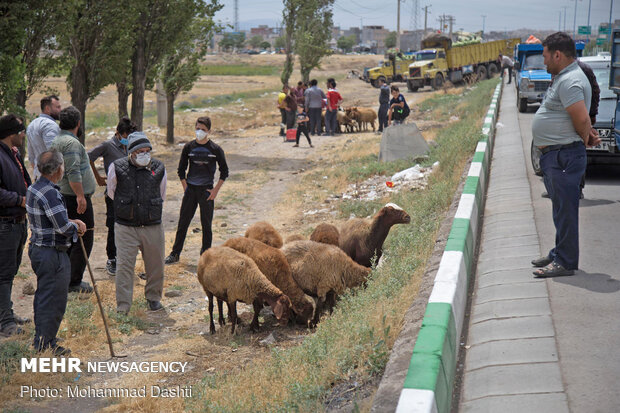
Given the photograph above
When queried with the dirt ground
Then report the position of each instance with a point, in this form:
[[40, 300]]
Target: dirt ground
[[265, 174]]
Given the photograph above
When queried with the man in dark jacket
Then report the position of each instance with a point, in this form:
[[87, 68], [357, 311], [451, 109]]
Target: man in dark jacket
[[137, 185], [384, 104], [14, 182], [202, 155]]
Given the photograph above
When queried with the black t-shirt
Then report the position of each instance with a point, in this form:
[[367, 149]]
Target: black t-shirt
[[301, 116], [202, 160], [399, 99]]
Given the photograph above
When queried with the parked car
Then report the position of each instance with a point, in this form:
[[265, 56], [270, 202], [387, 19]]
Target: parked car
[[607, 151]]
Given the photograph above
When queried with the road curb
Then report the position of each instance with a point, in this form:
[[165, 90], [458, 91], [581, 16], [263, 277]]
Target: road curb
[[430, 378]]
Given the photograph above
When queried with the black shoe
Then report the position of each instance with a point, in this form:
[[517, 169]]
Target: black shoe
[[142, 276], [581, 195], [155, 305], [60, 351], [545, 195], [82, 287], [542, 261], [171, 259], [110, 267], [10, 329], [553, 270], [21, 320]]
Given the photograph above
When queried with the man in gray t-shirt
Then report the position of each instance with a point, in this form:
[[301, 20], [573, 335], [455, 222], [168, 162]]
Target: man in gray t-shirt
[[561, 128]]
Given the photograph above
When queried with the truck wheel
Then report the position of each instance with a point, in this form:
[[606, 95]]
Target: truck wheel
[[535, 156], [438, 81], [523, 105], [481, 72], [412, 88], [493, 70]]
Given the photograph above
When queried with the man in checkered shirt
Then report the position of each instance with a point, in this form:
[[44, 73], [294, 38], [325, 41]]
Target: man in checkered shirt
[[52, 232]]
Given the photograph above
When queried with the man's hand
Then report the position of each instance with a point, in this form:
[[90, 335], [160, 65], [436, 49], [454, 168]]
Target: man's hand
[[184, 184], [100, 180], [212, 194], [81, 226], [593, 138], [81, 204], [23, 203]]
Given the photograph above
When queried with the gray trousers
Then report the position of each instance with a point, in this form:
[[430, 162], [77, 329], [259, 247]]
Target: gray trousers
[[151, 242]]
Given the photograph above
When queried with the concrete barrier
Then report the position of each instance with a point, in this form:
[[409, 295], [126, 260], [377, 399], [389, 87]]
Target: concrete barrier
[[430, 378], [402, 142]]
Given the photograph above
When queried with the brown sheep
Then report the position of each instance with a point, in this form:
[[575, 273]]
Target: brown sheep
[[294, 237], [272, 263], [265, 232], [344, 120], [363, 116], [362, 239], [326, 233], [323, 271], [232, 276]]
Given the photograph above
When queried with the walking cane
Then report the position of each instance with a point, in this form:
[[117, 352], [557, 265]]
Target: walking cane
[[105, 321]]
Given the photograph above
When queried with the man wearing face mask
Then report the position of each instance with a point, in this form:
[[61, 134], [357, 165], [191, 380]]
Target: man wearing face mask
[[111, 150], [137, 187], [202, 155]]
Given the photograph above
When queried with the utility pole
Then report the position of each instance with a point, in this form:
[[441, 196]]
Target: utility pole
[[611, 6], [560, 20], [484, 17], [451, 20], [589, 7], [236, 16], [565, 7], [575, 20], [398, 24], [440, 18], [426, 17]]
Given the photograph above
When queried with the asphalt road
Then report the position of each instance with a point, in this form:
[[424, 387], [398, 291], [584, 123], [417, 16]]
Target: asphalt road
[[586, 306]]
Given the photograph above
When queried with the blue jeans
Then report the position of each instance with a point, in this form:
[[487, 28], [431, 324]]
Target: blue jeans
[[562, 172], [13, 237], [53, 270]]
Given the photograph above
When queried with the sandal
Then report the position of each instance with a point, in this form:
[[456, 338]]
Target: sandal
[[552, 270], [542, 261]]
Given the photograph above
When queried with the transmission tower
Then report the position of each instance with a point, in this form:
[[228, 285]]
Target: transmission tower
[[414, 24], [236, 17]]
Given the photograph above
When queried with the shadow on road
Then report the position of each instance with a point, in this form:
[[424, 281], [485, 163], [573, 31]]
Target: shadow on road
[[595, 202], [595, 282]]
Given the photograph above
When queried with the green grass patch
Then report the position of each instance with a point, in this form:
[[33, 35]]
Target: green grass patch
[[78, 318], [239, 70], [127, 323], [11, 352], [356, 339], [97, 120]]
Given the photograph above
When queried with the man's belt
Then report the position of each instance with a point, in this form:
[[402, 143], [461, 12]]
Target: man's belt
[[13, 220], [558, 147]]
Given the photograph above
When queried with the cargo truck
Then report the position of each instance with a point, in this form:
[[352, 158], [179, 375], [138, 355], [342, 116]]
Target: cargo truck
[[395, 68], [439, 61], [531, 77]]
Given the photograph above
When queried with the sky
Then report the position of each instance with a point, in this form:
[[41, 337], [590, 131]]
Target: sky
[[500, 14]]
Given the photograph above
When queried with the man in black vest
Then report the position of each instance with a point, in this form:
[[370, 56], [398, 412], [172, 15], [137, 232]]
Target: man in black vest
[[137, 185]]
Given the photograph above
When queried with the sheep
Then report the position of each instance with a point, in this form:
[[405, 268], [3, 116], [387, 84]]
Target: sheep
[[326, 233], [294, 237], [265, 232], [362, 239], [362, 116], [343, 119], [232, 276], [323, 271], [273, 264]]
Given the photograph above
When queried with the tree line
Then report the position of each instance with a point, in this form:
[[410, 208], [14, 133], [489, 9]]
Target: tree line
[[98, 43]]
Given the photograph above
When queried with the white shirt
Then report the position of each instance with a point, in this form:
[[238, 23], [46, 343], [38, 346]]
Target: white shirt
[[41, 132]]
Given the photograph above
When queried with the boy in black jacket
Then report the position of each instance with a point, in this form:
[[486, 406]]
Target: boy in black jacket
[[201, 154]]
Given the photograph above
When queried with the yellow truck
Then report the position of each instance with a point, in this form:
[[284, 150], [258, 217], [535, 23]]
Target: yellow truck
[[439, 61], [395, 68]]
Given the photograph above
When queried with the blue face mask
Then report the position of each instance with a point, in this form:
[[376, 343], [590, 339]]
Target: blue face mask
[[124, 141]]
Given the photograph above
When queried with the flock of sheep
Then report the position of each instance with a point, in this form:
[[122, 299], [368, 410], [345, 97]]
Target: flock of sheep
[[297, 278], [355, 117]]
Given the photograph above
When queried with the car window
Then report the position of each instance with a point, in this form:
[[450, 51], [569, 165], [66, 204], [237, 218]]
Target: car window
[[534, 62], [602, 78]]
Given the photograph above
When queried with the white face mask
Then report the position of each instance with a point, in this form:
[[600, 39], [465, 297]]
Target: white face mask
[[200, 134], [143, 158]]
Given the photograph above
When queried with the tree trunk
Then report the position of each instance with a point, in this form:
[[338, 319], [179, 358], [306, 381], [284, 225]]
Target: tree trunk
[[123, 97], [138, 78], [20, 100], [79, 95], [170, 115]]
